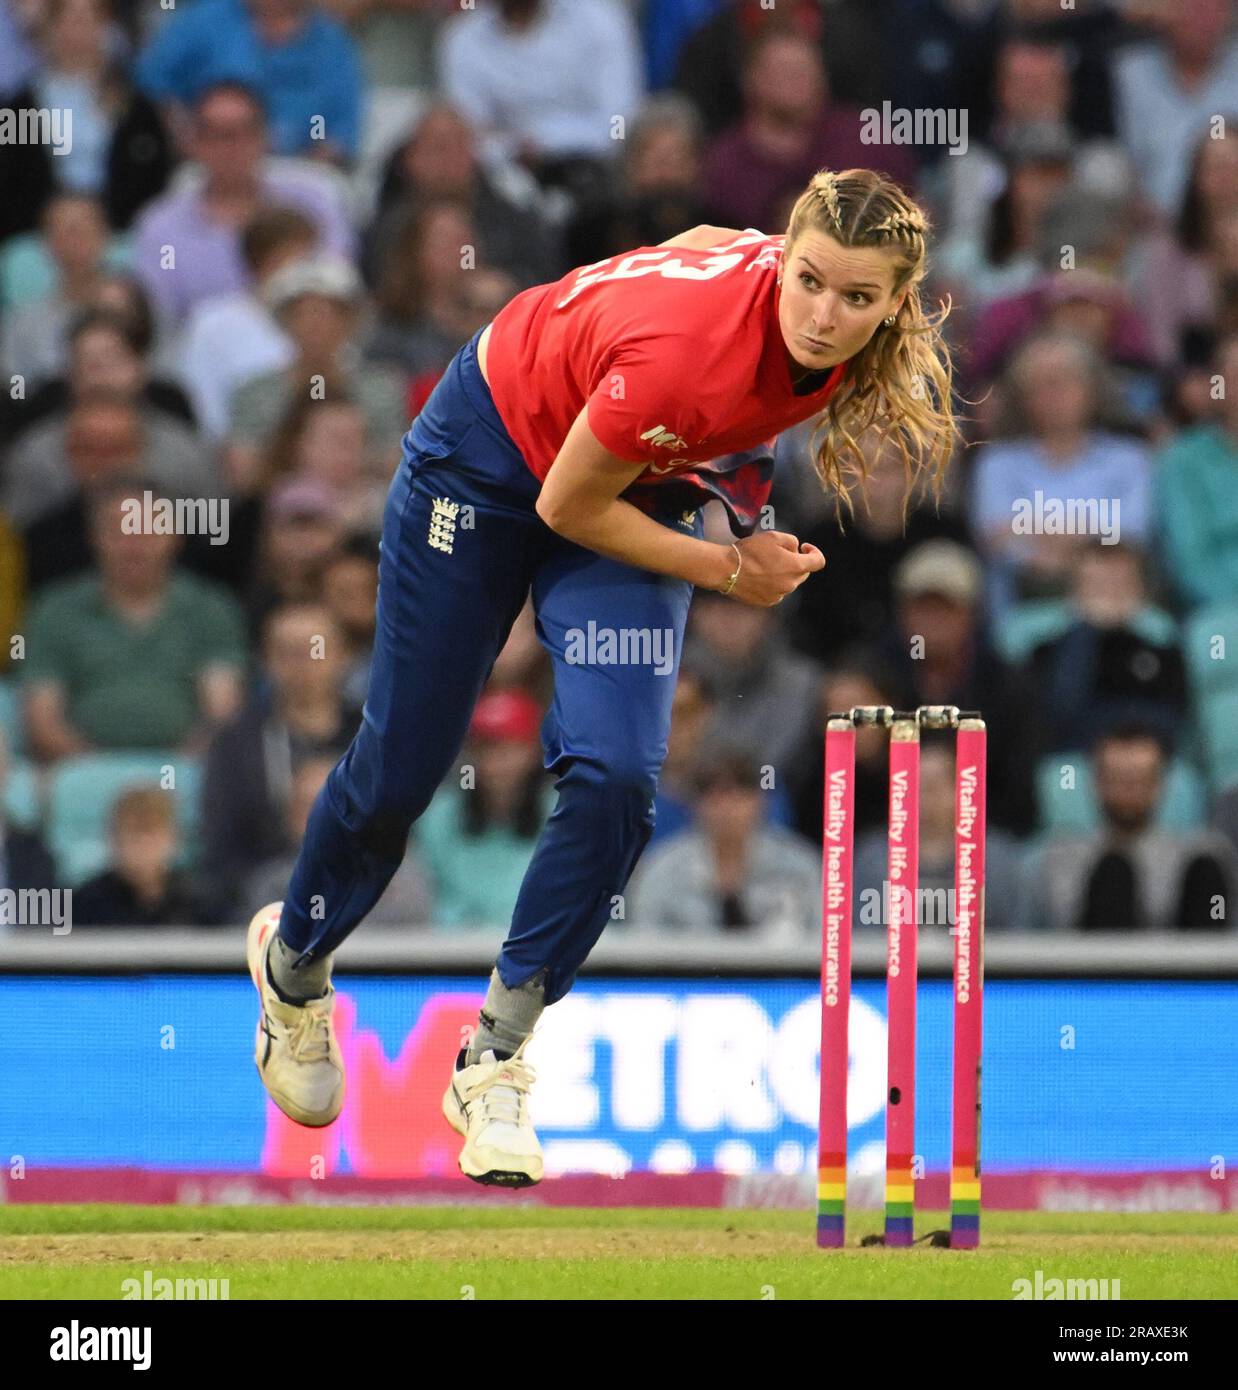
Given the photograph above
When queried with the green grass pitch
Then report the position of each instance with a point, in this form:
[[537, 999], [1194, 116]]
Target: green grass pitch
[[512, 1250]]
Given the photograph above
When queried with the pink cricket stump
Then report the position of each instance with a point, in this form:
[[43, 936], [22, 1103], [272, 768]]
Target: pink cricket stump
[[969, 829], [836, 893], [903, 877]]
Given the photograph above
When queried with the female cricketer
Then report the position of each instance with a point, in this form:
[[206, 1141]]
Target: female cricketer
[[566, 452]]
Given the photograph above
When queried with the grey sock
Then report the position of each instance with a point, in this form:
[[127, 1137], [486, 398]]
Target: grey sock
[[295, 985], [508, 1016]]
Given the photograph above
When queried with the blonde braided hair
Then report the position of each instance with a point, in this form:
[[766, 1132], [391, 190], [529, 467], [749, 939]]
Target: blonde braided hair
[[900, 384]]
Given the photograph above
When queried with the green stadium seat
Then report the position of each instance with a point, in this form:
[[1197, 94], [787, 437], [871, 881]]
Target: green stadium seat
[[11, 721], [83, 790], [1210, 648], [23, 801], [1066, 810], [1029, 624], [28, 273], [1209, 667], [1217, 716]]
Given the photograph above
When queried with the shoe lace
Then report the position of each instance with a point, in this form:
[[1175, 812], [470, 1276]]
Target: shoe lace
[[309, 1038], [503, 1093]]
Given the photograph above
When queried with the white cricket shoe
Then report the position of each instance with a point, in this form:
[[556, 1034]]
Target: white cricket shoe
[[298, 1058], [489, 1104]]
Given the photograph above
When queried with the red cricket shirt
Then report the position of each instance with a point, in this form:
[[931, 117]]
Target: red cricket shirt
[[676, 353]]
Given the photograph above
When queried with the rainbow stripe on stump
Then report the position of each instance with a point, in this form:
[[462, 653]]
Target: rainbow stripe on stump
[[832, 1201], [902, 967], [900, 1201], [902, 949], [837, 850], [964, 1208], [970, 783]]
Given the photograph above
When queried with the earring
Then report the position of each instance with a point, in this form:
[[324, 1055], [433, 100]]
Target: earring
[[890, 320]]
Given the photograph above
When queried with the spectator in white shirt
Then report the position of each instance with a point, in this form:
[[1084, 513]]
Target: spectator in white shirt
[[546, 82], [232, 337], [1169, 90]]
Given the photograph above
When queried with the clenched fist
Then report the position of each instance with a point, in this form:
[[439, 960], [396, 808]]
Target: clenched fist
[[774, 564]]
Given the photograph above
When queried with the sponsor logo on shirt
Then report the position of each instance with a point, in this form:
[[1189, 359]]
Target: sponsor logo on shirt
[[661, 438]]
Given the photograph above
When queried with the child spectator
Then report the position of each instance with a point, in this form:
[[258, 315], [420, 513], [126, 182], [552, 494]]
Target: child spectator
[[141, 887]]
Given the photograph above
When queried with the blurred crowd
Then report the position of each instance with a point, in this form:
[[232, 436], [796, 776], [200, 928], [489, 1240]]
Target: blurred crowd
[[277, 220]]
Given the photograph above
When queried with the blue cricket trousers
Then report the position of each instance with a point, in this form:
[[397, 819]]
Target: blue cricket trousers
[[444, 612]]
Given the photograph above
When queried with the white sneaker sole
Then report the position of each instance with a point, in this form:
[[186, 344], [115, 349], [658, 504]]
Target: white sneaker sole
[[489, 1166], [263, 925]]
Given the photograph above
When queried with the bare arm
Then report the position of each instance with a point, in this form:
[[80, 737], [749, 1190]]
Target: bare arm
[[49, 732], [220, 691], [580, 501]]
